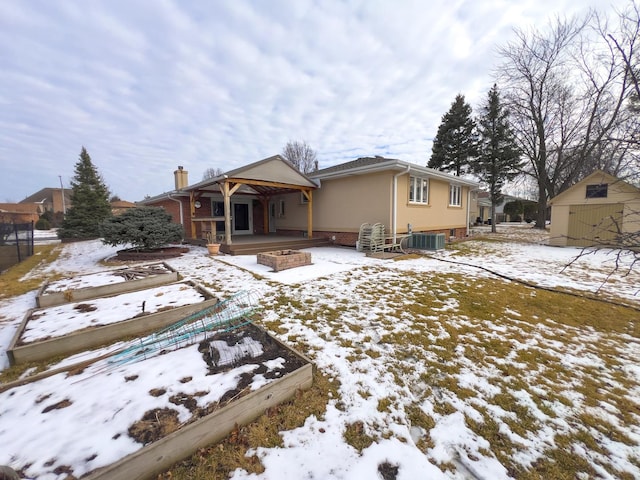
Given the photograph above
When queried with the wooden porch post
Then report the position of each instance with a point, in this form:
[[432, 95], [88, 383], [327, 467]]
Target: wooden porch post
[[309, 195], [227, 191], [192, 212], [227, 212]]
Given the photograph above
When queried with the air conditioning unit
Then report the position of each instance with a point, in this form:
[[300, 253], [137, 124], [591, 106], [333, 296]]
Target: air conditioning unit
[[427, 241]]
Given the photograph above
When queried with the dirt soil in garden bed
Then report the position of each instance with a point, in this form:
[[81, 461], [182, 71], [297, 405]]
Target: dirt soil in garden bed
[[160, 422], [153, 254]]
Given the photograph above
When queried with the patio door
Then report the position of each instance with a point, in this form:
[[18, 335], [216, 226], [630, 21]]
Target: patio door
[[242, 218], [272, 217]]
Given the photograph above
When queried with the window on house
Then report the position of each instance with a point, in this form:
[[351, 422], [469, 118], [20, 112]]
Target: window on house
[[281, 210], [455, 195], [303, 198], [418, 190], [597, 191]]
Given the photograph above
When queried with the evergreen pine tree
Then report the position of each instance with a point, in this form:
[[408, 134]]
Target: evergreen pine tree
[[145, 228], [90, 202], [455, 142], [498, 158]]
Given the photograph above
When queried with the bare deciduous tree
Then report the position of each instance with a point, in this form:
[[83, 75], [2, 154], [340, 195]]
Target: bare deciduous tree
[[626, 42], [566, 89], [211, 173], [301, 156]]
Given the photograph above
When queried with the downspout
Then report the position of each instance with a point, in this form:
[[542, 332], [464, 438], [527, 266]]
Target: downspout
[[468, 210], [394, 211], [180, 203]]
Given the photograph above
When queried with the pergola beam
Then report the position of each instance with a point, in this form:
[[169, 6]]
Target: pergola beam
[[229, 186]]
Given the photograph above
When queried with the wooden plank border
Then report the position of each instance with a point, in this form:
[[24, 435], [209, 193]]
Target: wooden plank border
[[94, 337], [58, 298], [157, 457]]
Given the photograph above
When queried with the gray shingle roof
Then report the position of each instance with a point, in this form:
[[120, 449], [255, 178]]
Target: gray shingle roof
[[359, 162]]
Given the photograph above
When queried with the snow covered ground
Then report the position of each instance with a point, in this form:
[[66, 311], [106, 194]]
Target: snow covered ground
[[400, 337]]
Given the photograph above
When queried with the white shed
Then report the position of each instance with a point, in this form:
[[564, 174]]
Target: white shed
[[599, 210]]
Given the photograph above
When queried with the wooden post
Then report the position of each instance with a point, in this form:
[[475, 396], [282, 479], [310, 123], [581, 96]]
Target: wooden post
[[192, 210], [227, 212], [309, 195]]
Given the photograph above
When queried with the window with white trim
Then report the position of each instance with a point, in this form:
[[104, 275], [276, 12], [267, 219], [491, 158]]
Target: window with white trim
[[418, 190], [281, 209], [455, 196]]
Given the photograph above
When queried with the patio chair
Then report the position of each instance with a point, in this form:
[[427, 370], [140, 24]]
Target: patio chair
[[372, 238], [364, 238]]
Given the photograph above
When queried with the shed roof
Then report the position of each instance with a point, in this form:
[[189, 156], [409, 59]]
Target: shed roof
[[599, 177]]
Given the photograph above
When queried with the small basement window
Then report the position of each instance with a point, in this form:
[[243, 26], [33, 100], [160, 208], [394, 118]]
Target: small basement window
[[597, 191]]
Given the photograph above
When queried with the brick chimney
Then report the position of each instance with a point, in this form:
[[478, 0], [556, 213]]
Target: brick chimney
[[182, 178]]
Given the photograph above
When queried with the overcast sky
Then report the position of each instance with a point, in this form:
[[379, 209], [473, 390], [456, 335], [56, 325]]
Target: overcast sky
[[146, 86]]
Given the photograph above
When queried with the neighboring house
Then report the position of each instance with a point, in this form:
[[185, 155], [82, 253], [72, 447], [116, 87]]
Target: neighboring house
[[19, 213], [51, 200], [484, 208], [121, 206], [271, 196], [597, 211]]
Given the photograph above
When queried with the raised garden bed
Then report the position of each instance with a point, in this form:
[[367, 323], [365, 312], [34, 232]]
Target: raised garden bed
[[134, 255], [135, 420], [283, 259], [63, 329], [101, 284]]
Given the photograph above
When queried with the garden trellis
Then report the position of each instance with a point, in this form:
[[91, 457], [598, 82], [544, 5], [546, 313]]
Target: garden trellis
[[229, 314]]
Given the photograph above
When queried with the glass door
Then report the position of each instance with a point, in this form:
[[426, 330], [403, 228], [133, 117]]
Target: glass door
[[242, 217]]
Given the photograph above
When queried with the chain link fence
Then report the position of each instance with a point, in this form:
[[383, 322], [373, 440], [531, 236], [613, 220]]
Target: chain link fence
[[16, 243]]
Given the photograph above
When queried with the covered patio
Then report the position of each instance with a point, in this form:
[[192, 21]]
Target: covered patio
[[238, 210]]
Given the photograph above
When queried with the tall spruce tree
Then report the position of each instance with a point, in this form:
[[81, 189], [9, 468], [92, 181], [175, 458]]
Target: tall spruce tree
[[498, 159], [90, 202], [455, 143]]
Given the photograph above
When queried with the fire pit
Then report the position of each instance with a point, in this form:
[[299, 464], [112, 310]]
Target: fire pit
[[283, 259]]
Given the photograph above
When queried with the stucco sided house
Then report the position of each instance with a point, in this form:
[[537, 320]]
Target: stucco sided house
[[272, 197], [600, 210], [405, 197]]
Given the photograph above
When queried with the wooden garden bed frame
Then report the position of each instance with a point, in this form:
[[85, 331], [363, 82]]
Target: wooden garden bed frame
[[44, 299], [158, 456], [95, 337]]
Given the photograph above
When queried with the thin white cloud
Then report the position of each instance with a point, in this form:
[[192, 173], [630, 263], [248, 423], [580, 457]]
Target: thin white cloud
[[146, 87]]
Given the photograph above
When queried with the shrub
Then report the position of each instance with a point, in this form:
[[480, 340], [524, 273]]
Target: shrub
[[145, 228], [518, 207], [43, 224]]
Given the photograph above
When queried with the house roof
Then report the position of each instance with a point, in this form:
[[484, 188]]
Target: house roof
[[484, 199], [366, 165], [596, 177], [122, 204], [46, 195], [283, 176], [274, 169], [19, 208]]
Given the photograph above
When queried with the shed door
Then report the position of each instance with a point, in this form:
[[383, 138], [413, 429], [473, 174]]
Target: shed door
[[591, 225]]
